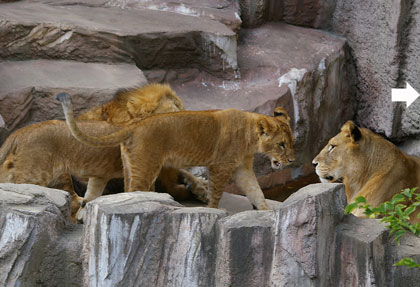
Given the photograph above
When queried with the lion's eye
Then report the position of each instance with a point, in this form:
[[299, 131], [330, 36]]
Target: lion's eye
[[331, 148], [282, 145]]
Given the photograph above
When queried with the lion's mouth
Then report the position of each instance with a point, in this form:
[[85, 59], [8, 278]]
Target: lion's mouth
[[332, 179], [276, 164]]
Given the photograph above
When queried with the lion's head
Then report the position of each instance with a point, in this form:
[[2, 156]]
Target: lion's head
[[341, 155], [276, 138]]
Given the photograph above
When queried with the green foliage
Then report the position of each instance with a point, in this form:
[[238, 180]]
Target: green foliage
[[396, 213]]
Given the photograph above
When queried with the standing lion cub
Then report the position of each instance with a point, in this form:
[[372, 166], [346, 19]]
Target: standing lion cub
[[223, 140]]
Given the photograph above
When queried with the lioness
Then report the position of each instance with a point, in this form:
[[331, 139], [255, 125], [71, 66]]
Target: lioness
[[47, 154], [223, 140], [369, 165]]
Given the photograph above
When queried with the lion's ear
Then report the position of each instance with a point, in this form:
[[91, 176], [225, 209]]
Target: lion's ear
[[263, 127], [282, 113], [352, 131]]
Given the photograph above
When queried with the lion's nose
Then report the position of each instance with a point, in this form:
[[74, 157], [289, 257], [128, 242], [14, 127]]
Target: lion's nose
[[314, 163]]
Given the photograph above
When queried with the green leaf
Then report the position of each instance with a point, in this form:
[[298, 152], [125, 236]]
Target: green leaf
[[397, 198], [409, 262], [409, 210], [399, 234], [350, 207], [389, 205], [407, 192], [360, 199]]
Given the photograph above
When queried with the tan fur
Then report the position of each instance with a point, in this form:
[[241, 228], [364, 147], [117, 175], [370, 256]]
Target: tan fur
[[369, 165], [136, 104], [223, 140], [47, 154]]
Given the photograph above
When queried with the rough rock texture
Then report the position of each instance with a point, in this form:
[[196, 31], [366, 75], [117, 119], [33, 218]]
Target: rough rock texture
[[383, 37], [306, 71], [150, 39], [124, 236], [368, 243], [147, 239], [37, 247], [28, 88], [245, 247], [308, 13], [305, 225], [224, 11], [410, 120]]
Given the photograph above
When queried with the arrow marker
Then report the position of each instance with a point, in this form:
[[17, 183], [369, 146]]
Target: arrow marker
[[409, 95]]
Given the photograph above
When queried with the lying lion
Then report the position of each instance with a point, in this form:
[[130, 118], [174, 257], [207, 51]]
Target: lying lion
[[223, 140], [369, 165], [47, 154]]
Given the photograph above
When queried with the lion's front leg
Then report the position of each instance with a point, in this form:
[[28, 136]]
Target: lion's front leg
[[247, 182]]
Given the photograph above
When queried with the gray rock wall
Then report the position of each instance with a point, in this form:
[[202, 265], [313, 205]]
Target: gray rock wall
[[384, 42], [147, 239]]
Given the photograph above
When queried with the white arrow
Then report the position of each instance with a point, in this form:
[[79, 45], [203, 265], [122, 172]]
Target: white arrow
[[409, 95]]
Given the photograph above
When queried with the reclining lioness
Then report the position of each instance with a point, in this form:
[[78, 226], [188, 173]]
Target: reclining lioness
[[223, 140], [367, 164]]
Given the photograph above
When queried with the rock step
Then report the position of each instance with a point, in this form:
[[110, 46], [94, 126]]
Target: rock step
[[149, 38], [28, 88], [302, 69]]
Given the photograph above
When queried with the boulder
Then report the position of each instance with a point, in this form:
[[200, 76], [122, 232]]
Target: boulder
[[28, 88], [304, 70], [304, 233], [33, 251], [308, 13], [151, 39], [125, 233], [364, 255], [384, 43], [245, 247], [410, 38]]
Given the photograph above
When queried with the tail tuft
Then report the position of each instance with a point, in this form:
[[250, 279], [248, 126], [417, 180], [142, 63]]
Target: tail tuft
[[64, 98]]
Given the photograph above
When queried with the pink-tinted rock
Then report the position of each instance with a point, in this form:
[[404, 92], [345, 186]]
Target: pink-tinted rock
[[149, 38], [28, 88]]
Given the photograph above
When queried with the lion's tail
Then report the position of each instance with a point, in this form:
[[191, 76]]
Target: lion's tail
[[105, 141]]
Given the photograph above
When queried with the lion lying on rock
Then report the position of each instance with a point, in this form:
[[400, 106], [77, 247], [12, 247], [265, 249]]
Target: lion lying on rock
[[47, 154], [223, 140], [367, 164]]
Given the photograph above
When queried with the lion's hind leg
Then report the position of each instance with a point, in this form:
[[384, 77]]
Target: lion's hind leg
[[219, 175], [140, 169], [198, 186]]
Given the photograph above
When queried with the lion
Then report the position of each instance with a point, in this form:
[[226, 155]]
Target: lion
[[367, 164], [136, 104], [47, 154], [223, 140]]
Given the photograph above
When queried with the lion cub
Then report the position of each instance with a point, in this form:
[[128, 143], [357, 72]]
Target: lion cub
[[223, 140]]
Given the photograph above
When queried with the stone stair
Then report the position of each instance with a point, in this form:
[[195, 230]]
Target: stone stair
[[149, 38]]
